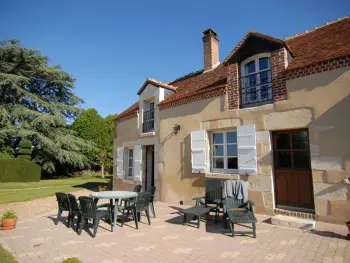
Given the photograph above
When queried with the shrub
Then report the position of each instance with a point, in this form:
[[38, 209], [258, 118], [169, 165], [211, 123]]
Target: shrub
[[25, 144], [25, 151], [19, 170], [9, 214], [72, 260]]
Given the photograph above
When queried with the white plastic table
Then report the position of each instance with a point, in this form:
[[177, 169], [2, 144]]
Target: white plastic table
[[112, 196]]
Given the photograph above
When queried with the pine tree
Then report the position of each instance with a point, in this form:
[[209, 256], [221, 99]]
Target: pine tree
[[36, 102]]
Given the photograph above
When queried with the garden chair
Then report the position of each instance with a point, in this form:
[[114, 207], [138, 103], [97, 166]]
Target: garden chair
[[63, 205], [213, 196], [89, 211], [74, 209], [151, 201], [141, 204], [239, 212]]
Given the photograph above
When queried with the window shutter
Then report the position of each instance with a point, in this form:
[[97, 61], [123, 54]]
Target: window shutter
[[137, 167], [120, 162], [198, 149], [246, 143]]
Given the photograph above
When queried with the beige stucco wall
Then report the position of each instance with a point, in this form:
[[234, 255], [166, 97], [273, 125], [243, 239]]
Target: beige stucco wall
[[320, 102]]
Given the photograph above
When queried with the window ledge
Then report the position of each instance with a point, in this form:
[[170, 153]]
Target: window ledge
[[222, 176], [146, 134], [269, 106]]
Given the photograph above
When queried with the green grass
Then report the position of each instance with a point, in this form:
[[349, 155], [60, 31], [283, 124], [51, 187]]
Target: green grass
[[6, 256], [18, 192]]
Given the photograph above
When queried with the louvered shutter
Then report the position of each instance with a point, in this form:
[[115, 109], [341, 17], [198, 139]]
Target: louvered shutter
[[246, 144], [120, 162], [198, 150], [137, 163]]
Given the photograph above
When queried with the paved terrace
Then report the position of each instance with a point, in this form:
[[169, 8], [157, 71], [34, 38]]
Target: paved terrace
[[166, 240]]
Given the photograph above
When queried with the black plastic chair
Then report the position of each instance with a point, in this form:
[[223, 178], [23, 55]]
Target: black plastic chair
[[213, 196], [141, 204], [89, 211], [74, 209], [151, 201], [137, 188], [63, 205]]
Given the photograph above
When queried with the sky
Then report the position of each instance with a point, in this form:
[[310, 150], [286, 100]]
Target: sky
[[110, 47]]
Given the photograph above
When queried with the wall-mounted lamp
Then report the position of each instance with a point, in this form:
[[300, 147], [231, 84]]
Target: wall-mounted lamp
[[176, 128]]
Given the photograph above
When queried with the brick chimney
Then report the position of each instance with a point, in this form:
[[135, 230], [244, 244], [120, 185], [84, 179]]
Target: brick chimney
[[211, 49]]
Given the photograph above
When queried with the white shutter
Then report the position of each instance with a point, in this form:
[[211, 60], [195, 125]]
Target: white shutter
[[198, 149], [246, 143], [120, 162], [137, 167]]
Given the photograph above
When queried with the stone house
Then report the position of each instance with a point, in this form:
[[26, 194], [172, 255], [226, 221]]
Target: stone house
[[274, 113]]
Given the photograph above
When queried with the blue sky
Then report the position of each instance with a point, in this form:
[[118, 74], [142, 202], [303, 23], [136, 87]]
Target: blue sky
[[111, 47]]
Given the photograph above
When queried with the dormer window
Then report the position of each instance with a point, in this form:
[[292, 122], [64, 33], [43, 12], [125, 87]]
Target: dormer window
[[148, 117], [255, 81]]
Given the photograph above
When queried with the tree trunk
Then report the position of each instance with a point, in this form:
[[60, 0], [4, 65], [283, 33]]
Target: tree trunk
[[102, 171]]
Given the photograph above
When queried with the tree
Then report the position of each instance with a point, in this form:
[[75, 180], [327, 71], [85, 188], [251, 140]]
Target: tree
[[91, 126], [36, 101]]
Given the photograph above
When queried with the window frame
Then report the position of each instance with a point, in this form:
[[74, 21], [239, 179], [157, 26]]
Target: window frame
[[128, 176], [224, 170], [150, 120], [247, 102]]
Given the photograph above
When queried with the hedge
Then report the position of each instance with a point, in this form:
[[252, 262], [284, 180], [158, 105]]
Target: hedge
[[19, 170]]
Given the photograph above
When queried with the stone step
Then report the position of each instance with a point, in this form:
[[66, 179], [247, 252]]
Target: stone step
[[294, 222]]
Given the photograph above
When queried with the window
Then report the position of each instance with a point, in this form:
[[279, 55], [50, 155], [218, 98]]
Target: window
[[256, 86], [148, 117], [292, 149], [224, 152], [130, 163]]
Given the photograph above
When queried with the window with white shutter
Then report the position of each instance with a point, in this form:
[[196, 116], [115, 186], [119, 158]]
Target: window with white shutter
[[137, 163], [120, 162], [198, 150], [247, 156]]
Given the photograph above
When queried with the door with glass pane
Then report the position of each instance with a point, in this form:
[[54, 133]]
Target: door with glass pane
[[293, 177]]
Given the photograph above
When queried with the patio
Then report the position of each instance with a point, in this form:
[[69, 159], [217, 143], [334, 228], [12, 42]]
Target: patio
[[167, 240]]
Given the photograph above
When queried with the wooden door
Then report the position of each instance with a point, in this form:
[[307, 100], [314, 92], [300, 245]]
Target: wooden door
[[293, 177]]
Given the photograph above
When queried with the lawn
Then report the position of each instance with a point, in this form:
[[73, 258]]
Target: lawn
[[6, 256], [18, 192]]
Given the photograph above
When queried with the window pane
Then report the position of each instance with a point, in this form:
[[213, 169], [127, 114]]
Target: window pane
[[130, 172], [264, 63], [231, 137], [301, 159], [250, 81], [232, 150], [300, 140], [218, 138], [265, 77], [219, 163], [249, 67], [284, 159], [283, 141], [232, 163], [265, 92], [130, 162], [218, 150], [131, 152], [252, 94]]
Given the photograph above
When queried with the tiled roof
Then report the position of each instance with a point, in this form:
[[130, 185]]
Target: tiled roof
[[196, 83], [326, 42], [129, 111], [157, 83]]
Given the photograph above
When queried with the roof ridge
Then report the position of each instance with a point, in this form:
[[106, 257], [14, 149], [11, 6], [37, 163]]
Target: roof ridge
[[318, 27], [164, 83]]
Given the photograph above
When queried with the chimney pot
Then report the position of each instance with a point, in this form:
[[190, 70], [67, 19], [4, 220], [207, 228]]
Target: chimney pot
[[211, 49]]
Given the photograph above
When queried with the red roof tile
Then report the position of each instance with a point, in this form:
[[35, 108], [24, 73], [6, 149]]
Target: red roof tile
[[326, 42], [194, 84], [129, 111]]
